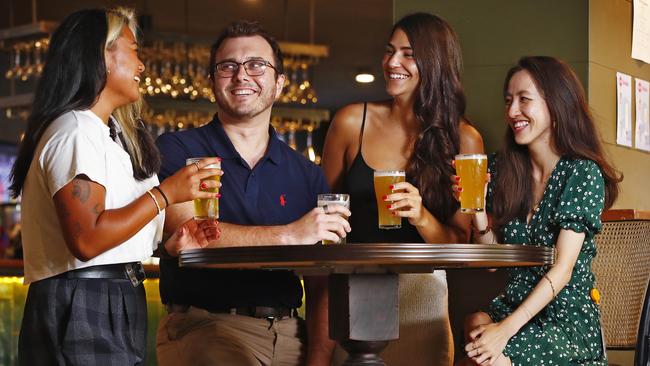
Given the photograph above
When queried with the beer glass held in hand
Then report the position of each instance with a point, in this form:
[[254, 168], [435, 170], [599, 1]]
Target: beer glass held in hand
[[334, 199], [384, 179], [472, 170], [206, 208]]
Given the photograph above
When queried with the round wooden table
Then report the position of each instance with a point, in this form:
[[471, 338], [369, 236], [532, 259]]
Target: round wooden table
[[363, 282]]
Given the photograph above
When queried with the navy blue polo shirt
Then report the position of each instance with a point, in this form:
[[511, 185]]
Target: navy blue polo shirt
[[280, 189]]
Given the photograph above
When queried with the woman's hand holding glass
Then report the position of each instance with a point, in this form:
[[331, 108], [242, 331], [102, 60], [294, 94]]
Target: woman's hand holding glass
[[480, 221], [186, 184], [406, 202], [457, 187]]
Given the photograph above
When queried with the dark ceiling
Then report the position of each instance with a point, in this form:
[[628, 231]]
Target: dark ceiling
[[354, 30]]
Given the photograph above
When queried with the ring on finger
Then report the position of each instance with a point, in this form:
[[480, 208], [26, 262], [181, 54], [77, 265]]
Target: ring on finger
[[196, 163]]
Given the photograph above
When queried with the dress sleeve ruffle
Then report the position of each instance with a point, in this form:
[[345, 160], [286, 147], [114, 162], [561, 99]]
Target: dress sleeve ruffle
[[582, 200]]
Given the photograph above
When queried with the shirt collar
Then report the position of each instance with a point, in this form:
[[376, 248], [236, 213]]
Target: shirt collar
[[273, 150], [97, 121]]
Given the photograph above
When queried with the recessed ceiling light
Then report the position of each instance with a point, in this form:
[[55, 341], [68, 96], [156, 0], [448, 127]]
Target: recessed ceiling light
[[364, 77]]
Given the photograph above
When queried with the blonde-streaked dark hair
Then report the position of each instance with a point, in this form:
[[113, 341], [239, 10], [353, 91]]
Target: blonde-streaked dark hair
[[74, 75]]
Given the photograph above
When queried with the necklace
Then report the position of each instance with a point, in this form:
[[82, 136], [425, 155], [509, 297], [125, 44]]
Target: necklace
[[535, 206]]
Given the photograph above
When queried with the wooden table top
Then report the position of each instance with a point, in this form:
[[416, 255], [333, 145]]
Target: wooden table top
[[368, 258]]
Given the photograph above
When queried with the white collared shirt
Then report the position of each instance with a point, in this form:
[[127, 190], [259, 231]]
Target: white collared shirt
[[78, 143]]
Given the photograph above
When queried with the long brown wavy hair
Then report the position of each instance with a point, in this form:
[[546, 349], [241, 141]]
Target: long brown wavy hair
[[573, 132], [439, 107]]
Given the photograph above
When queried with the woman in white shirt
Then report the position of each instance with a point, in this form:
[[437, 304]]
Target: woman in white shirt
[[92, 206]]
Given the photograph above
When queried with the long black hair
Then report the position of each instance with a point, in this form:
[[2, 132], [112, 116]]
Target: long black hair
[[439, 107], [73, 76], [574, 134]]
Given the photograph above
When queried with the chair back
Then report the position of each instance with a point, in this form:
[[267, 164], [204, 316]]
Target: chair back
[[642, 354], [622, 269]]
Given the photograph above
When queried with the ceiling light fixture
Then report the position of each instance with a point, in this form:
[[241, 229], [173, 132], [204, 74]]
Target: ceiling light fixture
[[364, 77]]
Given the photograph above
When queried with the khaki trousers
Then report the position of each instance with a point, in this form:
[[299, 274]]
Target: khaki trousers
[[200, 338]]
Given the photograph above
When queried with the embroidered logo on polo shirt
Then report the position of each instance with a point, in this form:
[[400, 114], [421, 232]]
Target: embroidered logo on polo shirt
[[283, 201]]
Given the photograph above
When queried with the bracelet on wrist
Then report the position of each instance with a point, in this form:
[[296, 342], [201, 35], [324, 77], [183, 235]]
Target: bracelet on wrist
[[157, 188], [155, 201], [550, 283]]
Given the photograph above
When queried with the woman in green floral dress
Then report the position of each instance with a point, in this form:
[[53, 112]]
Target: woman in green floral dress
[[549, 185]]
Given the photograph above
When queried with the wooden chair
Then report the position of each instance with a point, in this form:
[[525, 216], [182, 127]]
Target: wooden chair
[[622, 269]]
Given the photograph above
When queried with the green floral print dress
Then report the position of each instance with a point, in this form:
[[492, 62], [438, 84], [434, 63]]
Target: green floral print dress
[[567, 331]]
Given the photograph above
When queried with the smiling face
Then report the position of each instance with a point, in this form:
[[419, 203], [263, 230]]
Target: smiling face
[[400, 69], [526, 111], [242, 96], [124, 69]]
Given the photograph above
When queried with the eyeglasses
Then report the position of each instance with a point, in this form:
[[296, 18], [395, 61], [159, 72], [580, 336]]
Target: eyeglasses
[[252, 67]]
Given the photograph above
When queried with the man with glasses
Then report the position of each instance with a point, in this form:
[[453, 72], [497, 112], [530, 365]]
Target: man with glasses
[[247, 317]]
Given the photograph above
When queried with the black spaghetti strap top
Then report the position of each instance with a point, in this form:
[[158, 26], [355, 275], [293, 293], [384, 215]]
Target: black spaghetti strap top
[[359, 184]]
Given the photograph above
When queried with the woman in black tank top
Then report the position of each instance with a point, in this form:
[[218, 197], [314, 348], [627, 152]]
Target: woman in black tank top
[[359, 184], [419, 130]]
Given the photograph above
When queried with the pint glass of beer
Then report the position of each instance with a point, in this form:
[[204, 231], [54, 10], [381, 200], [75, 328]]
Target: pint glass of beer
[[334, 199], [383, 180], [206, 208], [472, 170]]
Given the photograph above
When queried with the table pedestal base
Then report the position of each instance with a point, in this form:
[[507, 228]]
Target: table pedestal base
[[364, 353], [364, 315]]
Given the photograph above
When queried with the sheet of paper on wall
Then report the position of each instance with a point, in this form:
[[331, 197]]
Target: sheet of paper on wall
[[623, 109], [642, 133], [641, 31]]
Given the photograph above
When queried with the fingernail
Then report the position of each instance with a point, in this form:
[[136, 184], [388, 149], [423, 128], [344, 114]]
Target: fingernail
[[460, 189], [218, 195], [392, 186], [203, 185], [457, 179], [388, 206], [384, 197], [218, 158]]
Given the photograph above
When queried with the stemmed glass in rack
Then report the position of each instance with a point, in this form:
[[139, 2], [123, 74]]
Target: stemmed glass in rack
[[310, 152], [26, 59]]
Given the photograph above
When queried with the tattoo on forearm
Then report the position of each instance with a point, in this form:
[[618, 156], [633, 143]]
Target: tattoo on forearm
[[80, 190], [98, 209]]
